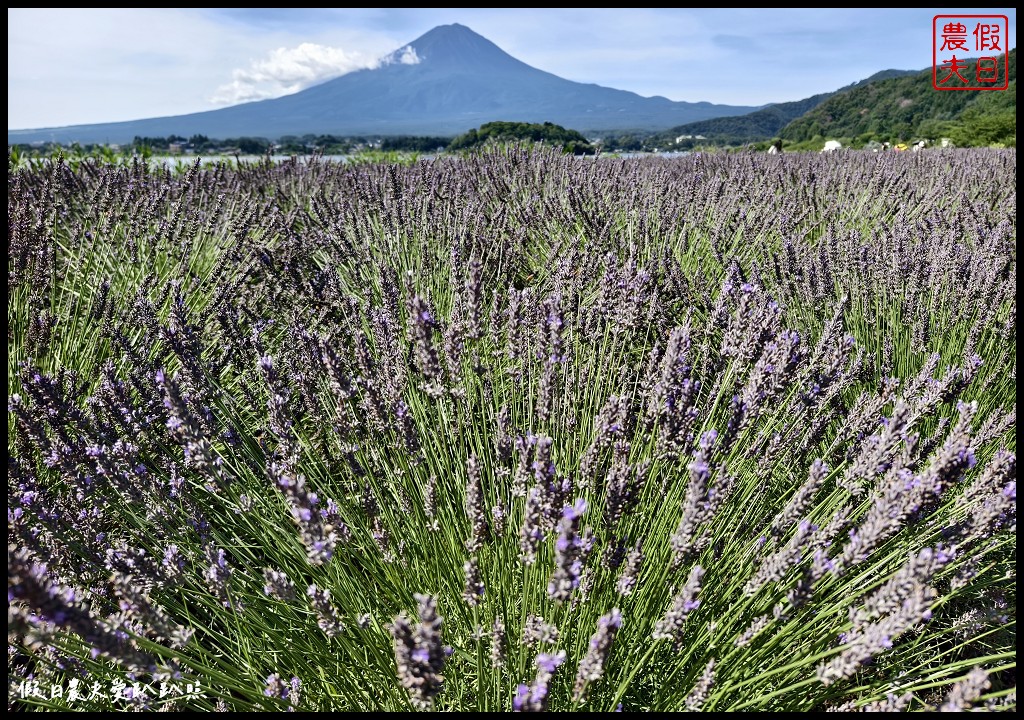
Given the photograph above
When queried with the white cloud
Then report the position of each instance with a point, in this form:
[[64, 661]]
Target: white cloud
[[287, 70], [404, 56]]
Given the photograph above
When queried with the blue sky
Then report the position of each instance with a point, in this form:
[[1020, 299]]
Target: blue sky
[[74, 66]]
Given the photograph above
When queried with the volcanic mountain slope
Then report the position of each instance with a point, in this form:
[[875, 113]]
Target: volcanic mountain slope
[[447, 81]]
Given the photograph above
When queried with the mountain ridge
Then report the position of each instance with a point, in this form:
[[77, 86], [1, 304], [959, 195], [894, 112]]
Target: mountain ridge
[[909, 107], [767, 122]]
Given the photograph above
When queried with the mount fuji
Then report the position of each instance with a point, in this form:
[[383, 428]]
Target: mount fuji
[[443, 83]]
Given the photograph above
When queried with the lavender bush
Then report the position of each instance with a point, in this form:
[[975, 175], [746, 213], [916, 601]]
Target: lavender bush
[[723, 432]]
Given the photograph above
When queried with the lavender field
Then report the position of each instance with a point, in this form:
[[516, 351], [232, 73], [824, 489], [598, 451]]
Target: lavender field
[[515, 431]]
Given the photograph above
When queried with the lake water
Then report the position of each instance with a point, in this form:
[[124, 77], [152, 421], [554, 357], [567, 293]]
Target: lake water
[[172, 160]]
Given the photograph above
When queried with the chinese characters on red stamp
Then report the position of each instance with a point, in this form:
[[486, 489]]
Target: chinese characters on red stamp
[[968, 52]]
